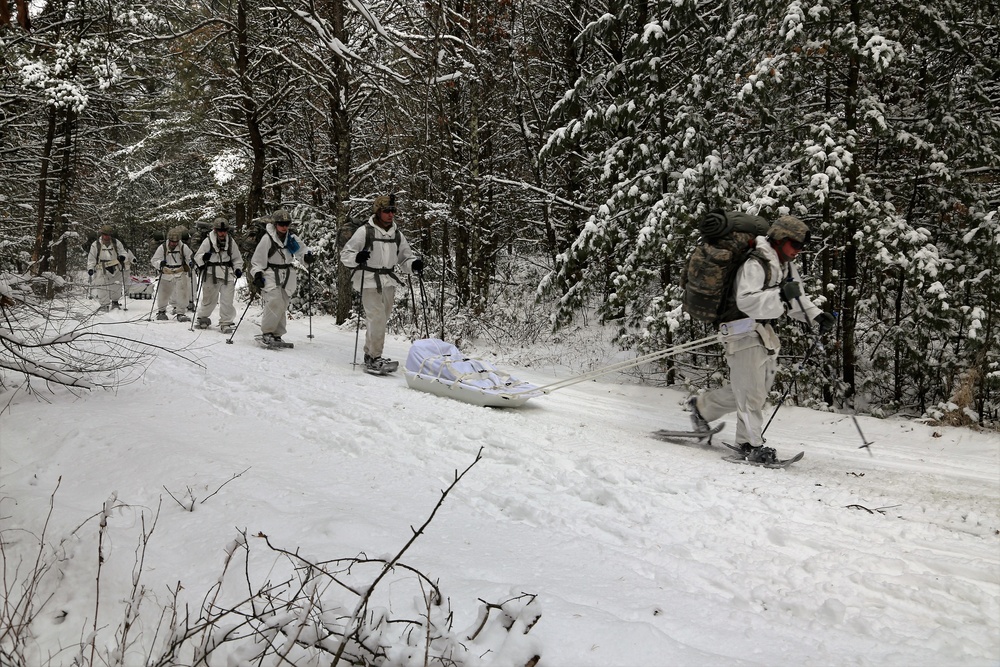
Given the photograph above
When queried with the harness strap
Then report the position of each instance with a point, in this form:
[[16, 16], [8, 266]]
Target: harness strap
[[215, 279], [277, 267]]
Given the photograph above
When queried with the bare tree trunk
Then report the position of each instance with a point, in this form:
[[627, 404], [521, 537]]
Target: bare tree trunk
[[340, 159], [255, 196], [43, 230], [66, 187], [850, 314]]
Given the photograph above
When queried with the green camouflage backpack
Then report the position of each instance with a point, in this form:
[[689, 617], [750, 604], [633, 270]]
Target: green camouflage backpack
[[728, 239]]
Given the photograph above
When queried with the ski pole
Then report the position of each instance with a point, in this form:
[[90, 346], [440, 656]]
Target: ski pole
[[801, 365], [229, 341], [124, 289], [357, 328], [309, 279], [413, 304], [867, 445], [423, 305], [197, 298], [90, 286], [190, 279], [156, 290]]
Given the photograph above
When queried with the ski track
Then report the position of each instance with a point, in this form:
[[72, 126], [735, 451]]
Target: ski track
[[656, 499], [781, 550]]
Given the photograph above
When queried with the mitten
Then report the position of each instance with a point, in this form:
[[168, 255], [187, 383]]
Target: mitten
[[790, 290], [825, 322], [258, 280], [362, 257]]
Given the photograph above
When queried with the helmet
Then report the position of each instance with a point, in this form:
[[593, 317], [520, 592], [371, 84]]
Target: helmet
[[106, 229], [220, 225], [788, 227], [281, 215], [384, 203]]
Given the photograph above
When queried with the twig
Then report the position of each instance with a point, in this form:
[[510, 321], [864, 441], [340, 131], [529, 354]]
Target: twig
[[186, 508], [877, 509], [239, 474], [350, 626]]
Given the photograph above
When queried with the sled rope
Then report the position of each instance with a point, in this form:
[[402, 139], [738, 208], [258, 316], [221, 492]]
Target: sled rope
[[631, 363]]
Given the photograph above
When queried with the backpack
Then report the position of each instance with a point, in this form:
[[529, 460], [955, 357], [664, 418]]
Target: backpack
[[728, 239], [354, 225], [116, 243], [254, 235]]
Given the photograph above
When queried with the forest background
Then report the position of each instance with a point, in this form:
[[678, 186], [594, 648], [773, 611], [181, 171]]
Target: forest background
[[560, 147]]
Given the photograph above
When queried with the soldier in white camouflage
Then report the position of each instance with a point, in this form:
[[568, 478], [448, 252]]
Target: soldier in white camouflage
[[106, 260], [767, 286], [221, 264]]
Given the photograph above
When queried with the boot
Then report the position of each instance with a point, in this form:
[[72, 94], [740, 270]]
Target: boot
[[758, 454], [698, 423], [161, 314], [203, 322]]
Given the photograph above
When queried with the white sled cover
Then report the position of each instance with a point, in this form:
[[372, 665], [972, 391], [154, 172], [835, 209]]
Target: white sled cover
[[440, 368]]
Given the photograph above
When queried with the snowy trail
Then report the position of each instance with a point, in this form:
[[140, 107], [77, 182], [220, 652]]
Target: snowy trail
[[642, 552]]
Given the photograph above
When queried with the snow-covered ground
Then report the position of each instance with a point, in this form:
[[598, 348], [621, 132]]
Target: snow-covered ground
[[641, 553]]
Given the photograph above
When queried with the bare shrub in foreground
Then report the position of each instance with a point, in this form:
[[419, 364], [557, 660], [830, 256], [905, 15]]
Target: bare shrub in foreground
[[304, 612]]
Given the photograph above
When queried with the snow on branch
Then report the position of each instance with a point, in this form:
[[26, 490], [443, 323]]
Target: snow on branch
[[51, 340]]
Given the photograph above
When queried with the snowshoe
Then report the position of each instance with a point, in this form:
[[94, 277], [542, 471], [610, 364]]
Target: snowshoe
[[181, 317], [696, 437], [272, 342], [226, 328], [380, 365], [765, 457]]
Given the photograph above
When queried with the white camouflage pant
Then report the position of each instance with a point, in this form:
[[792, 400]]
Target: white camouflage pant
[[174, 290], [275, 317], [751, 374], [212, 293], [378, 308], [107, 287]]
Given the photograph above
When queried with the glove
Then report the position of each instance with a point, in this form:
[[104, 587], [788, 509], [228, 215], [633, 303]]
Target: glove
[[163, 264], [362, 257], [90, 272], [418, 266], [825, 322], [110, 269], [191, 263], [208, 253], [258, 280], [309, 258], [121, 258], [238, 273], [790, 290]]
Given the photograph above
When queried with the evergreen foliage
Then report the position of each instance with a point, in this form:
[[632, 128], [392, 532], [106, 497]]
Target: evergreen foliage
[[584, 136], [812, 109]]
